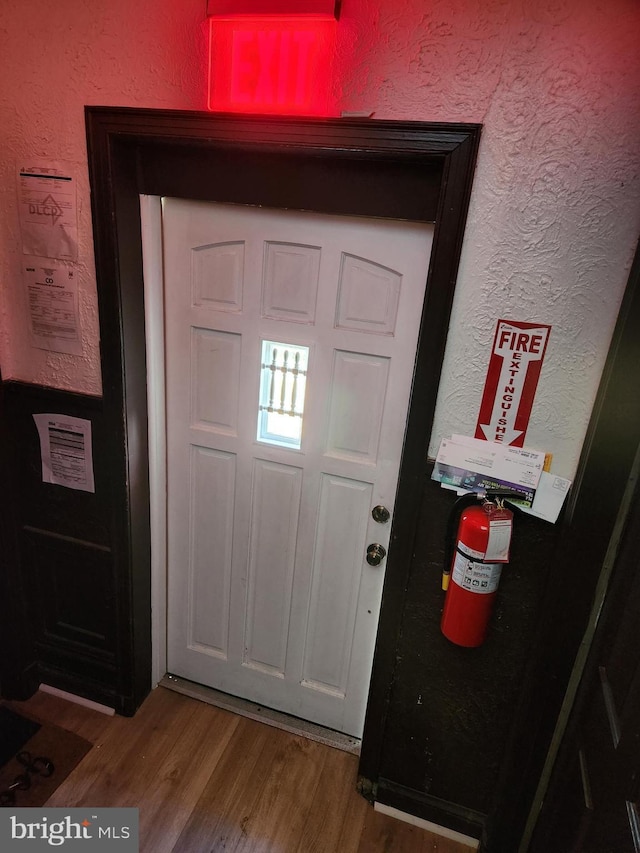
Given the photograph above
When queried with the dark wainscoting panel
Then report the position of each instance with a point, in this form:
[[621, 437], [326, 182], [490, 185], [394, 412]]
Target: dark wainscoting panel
[[18, 676], [64, 562], [454, 711], [72, 608]]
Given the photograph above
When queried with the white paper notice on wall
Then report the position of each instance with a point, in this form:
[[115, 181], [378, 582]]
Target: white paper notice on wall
[[65, 448], [48, 209], [52, 300]]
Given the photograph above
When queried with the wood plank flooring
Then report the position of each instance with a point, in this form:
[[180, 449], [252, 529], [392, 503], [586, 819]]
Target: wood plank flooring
[[206, 780]]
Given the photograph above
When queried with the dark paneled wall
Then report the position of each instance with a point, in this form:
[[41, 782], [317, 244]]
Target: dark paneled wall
[[451, 709], [460, 701], [18, 676], [62, 566]]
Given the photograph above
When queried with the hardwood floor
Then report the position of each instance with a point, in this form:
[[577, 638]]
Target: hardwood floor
[[206, 780]]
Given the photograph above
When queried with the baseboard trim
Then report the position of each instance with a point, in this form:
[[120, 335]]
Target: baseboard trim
[[435, 828], [79, 700], [434, 810]]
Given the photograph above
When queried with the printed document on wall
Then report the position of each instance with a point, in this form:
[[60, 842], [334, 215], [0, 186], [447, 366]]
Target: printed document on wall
[[65, 448], [52, 298], [48, 210]]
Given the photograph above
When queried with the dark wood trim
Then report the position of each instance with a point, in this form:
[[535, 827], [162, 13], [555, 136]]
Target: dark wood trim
[[18, 677], [613, 437], [617, 625], [287, 8], [420, 172], [433, 809], [59, 537], [338, 182], [454, 195]]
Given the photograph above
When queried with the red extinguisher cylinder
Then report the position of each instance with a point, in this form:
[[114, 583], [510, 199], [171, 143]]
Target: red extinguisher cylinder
[[465, 621], [473, 582]]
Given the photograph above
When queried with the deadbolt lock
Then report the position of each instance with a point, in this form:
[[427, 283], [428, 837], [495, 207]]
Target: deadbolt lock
[[375, 554], [380, 514]]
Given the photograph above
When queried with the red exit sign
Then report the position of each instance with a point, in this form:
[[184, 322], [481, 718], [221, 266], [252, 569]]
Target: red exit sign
[[270, 65]]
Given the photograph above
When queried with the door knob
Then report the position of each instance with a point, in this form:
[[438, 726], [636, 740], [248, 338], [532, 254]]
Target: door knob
[[380, 514], [375, 554]]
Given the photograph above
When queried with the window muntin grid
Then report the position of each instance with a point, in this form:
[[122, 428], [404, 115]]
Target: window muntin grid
[[283, 380]]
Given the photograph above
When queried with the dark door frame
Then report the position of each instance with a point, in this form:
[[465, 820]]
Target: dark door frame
[[402, 170], [605, 513]]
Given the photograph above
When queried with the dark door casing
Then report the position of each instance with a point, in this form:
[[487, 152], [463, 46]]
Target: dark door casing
[[400, 170]]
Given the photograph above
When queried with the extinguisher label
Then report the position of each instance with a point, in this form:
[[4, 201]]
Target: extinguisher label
[[470, 552], [482, 578]]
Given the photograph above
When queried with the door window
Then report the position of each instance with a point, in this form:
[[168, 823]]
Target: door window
[[283, 381]]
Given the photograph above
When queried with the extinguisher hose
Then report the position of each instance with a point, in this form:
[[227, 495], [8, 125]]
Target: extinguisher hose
[[454, 515]]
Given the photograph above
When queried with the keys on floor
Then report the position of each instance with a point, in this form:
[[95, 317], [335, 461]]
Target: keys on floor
[[37, 765]]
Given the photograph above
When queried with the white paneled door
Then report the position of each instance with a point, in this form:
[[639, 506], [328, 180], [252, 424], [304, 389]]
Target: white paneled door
[[290, 341]]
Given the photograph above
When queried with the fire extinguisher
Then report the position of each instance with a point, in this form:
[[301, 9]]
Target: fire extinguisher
[[471, 575]]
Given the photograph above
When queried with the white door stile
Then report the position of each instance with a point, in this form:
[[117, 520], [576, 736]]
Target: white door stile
[[152, 264]]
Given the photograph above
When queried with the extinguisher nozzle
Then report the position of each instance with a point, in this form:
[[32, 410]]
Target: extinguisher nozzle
[[445, 581]]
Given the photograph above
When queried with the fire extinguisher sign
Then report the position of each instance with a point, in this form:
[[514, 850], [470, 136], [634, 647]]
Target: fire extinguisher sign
[[512, 379]]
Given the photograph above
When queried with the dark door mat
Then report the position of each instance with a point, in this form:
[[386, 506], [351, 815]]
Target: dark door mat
[[15, 731], [51, 749]]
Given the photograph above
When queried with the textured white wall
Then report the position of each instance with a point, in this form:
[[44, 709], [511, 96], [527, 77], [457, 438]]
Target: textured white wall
[[555, 210], [55, 58]]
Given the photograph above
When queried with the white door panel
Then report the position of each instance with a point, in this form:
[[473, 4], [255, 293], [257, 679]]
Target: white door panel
[[270, 595]]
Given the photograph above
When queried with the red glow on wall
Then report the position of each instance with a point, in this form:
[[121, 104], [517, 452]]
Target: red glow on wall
[[270, 65]]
